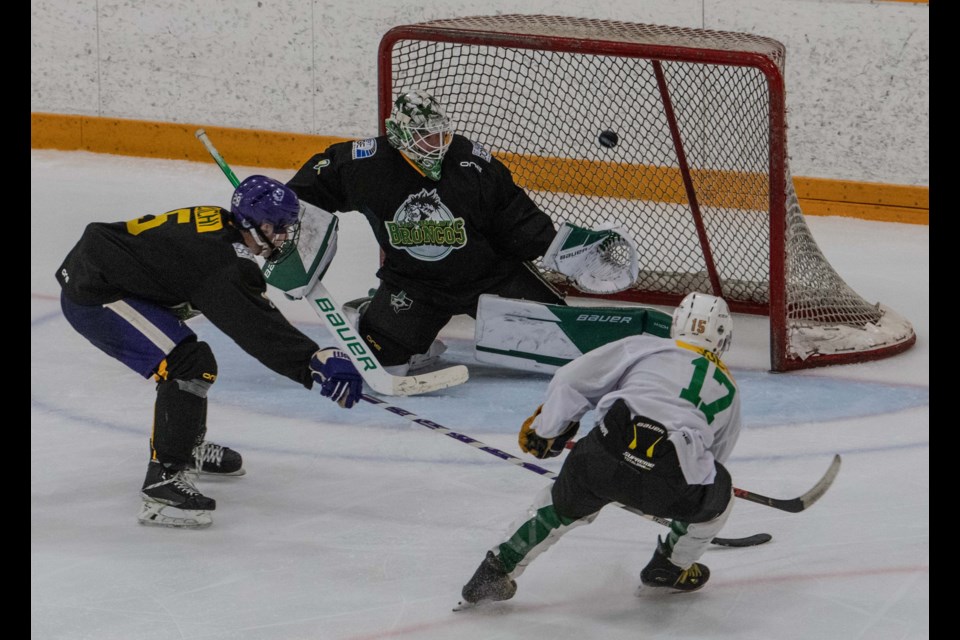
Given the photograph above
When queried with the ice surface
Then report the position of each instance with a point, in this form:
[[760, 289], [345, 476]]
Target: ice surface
[[363, 525]]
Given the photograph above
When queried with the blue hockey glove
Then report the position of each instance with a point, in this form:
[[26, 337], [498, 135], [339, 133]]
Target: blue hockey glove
[[338, 378]]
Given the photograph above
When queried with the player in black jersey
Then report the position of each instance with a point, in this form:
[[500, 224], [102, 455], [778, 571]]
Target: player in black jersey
[[128, 287], [448, 216]]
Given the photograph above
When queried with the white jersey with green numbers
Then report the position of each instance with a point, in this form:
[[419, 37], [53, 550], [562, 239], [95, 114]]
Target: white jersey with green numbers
[[685, 388]]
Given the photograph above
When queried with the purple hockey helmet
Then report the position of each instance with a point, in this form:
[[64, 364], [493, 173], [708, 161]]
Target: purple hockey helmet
[[260, 199]]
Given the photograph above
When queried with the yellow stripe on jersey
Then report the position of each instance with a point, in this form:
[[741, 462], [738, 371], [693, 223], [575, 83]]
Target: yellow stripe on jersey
[[709, 355]]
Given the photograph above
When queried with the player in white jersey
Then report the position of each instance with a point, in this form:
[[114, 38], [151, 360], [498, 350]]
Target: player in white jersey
[[668, 417]]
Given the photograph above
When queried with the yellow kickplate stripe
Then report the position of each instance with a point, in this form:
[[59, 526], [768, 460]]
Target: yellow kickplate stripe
[[175, 141], [281, 150]]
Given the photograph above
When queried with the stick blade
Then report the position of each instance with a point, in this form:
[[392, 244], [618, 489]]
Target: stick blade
[[798, 504], [822, 485], [748, 541], [427, 382]]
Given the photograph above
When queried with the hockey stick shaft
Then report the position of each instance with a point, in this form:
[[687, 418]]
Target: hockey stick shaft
[[227, 171], [347, 339], [792, 505], [503, 455]]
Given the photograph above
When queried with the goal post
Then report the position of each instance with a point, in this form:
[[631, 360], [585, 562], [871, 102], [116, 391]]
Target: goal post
[[677, 134]]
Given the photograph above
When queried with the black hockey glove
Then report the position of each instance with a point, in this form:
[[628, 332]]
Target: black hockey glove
[[542, 448]]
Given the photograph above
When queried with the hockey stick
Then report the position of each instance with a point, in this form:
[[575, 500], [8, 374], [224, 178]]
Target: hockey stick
[[793, 505], [798, 504], [227, 171], [347, 339], [369, 367], [748, 541]]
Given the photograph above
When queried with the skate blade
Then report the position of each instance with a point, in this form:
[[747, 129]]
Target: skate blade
[[213, 474], [463, 605], [156, 514], [645, 591]]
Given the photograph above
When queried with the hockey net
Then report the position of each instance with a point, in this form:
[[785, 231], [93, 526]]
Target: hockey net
[[699, 174]]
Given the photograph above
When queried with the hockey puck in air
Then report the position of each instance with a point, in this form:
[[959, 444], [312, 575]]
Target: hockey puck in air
[[608, 139]]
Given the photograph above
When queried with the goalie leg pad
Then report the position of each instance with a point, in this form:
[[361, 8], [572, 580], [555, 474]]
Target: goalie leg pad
[[421, 361], [543, 337]]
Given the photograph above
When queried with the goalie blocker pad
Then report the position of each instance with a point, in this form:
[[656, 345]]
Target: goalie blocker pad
[[316, 246], [543, 337]]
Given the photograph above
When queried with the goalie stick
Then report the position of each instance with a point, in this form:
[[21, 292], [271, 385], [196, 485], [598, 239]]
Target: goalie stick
[[368, 366], [748, 541], [792, 505], [346, 337]]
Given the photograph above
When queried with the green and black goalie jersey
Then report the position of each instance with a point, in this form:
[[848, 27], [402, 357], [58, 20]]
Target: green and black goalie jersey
[[192, 255], [447, 241]]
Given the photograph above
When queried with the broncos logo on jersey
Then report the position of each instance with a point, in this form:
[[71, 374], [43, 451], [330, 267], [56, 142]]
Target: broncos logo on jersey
[[425, 228]]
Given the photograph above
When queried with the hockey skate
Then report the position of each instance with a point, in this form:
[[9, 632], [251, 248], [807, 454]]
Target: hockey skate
[[662, 575], [216, 460], [171, 500], [490, 583]]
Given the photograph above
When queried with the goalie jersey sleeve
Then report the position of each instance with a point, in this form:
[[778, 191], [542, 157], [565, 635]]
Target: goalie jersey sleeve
[[684, 388], [189, 255], [446, 241]]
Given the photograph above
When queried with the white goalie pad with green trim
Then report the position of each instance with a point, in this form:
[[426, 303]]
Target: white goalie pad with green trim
[[543, 337], [316, 245], [600, 260]]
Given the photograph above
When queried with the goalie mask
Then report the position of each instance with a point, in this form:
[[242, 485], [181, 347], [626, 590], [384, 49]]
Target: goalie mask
[[703, 321], [270, 212], [419, 129]]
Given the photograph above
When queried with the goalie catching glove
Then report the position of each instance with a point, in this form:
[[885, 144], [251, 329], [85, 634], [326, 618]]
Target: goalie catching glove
[[540, 447], [338, 378], [600, 260]]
